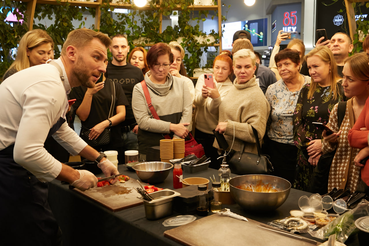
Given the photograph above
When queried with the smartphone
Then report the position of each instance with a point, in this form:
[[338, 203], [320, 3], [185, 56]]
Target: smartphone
[[321, 33], [209, 82], [287, 34], [71, 101], [222, 142], [328, 131]]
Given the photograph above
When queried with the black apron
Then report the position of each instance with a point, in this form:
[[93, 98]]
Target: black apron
[[25, 215]]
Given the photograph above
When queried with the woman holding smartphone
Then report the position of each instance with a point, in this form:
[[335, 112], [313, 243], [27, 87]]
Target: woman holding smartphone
[[343, 172], [315, 103], [209, 91]]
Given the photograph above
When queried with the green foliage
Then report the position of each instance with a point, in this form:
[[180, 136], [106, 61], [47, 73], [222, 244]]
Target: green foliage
[[63, 15], [10, 35]]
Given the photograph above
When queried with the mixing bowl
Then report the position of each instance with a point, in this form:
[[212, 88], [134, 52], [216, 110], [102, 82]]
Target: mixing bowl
[[259, 201], [152, 172]]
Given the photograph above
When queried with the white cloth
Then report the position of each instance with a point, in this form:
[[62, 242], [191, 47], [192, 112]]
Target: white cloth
[[190, 85], [32, 101]]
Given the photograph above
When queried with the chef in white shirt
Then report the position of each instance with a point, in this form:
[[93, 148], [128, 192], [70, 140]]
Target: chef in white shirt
[[33, 106]]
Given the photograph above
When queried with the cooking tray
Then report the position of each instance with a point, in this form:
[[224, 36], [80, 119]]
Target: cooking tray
[[218, 230]]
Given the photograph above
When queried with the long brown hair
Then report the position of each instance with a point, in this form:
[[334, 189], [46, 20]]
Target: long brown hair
[[325, 54], [359, 66]]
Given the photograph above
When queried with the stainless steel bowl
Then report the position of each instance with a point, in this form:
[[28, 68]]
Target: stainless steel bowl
[[259, 201], [152, 172]]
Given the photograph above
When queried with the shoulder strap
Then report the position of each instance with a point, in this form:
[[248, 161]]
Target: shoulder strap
[[148, 100], [112, 100], [341, 111]]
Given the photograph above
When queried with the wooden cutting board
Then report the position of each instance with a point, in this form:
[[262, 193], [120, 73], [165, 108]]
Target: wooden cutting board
[[221, 230], [115, 197]]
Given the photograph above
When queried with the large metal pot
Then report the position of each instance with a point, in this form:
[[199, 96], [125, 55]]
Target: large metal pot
[[259, 201], [152, 172]]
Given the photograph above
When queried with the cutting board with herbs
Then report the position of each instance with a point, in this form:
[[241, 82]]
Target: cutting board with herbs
[[115, 197], [221, 230]]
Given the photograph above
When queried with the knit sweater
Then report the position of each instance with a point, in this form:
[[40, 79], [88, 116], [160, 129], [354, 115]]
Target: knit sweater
[[172, 102], [206, 121], [244, 106]]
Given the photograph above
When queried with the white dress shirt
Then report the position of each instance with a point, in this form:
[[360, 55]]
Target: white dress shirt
[[32, 101]]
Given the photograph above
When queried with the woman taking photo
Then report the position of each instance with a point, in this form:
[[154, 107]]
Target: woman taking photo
[[170, 99], [294, 44], [344, 174], [244, 107], [315, 103], [206, 95], [177, 68], [282, 97], [35, 48], [137, 58]]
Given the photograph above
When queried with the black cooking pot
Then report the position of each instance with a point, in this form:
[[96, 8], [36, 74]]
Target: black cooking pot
[[91, 166]]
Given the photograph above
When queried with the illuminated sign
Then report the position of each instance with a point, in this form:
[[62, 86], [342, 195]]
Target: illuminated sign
[[289, 21]]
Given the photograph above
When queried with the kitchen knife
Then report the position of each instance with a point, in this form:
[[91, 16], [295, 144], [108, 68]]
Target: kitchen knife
[[110, 177]]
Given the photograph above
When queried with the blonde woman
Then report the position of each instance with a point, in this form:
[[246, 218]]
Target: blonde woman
[[316, 101], [35, 48], [177, 68]]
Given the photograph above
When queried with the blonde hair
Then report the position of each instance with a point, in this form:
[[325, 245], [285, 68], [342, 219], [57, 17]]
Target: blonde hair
[[79, 38], [240, 44], [359, 66], [175, 45], [32, 39], [299, 43], [325, 54], [244, 53]]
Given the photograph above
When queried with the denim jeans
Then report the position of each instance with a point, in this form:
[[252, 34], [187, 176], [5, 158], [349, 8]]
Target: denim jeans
[[130, 143]]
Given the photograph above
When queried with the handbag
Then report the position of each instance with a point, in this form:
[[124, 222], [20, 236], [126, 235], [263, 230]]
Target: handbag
[[105, 137], [319, 181], [191, 146], [241, 162]]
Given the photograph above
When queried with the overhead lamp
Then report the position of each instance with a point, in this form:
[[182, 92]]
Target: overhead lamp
[[249, 2], [140, 3]]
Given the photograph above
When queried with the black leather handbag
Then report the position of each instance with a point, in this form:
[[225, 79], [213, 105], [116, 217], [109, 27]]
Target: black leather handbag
[[241, 162]]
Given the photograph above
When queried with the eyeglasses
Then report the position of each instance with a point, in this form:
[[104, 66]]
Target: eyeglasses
[[157, 66]]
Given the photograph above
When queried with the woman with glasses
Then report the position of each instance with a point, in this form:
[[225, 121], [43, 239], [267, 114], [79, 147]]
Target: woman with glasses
[[170, 99]]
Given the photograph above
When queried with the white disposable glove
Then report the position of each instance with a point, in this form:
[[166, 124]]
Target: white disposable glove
[[108, 168], [86, 180]]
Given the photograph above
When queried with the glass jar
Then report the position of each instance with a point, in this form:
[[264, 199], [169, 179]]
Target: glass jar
[[203, 206], [215, 205]]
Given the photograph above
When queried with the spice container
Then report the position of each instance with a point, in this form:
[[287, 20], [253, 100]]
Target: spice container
[[131, 158], [177, 176], [203, 206], [215, 204]]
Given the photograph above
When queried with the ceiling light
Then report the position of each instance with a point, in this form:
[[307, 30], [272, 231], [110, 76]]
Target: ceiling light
[[249, 2], [140, 3]]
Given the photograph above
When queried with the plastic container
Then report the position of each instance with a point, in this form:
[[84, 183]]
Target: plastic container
[[161, 206], [112, 156], [196, 168], [131, 158], [177, 176]]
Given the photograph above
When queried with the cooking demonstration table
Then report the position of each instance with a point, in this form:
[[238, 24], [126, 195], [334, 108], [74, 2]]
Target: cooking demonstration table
[[86, 222]]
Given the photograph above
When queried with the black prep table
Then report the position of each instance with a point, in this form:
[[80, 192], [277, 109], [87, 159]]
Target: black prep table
[[86, 222]]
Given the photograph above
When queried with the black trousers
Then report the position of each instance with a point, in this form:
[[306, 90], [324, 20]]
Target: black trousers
[[283, 158], [207, 141], [25, 214]]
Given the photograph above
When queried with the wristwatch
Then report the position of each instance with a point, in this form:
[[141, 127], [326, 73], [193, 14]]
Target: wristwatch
[[98, 159]]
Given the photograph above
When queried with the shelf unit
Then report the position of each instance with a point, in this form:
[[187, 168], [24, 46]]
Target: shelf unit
[[351, 16], [31, 6]]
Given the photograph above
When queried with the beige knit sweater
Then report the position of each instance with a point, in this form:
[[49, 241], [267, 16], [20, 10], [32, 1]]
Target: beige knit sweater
[[244, 106]]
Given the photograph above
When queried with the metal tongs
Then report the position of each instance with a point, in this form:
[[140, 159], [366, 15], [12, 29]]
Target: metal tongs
[[145, 195], [227, 212]]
